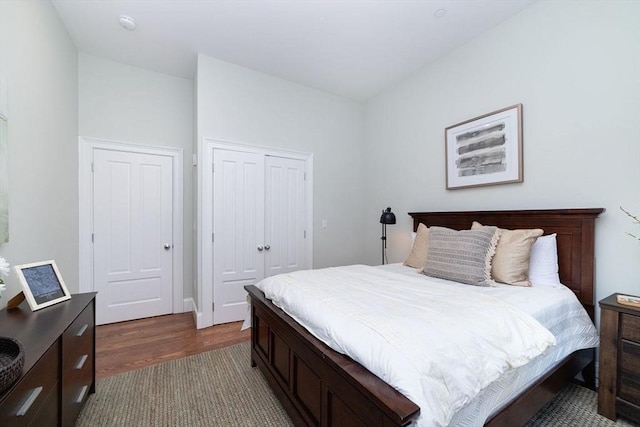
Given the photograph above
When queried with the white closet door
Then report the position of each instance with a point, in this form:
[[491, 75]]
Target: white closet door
[[238, 227], [285, 215], [133, 227]]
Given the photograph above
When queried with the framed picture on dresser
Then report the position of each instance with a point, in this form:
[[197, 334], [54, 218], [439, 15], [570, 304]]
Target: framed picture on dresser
[[42, 284]]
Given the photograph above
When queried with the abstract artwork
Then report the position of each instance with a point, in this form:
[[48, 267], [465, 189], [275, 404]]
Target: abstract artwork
[[4, 187], [485, 150]]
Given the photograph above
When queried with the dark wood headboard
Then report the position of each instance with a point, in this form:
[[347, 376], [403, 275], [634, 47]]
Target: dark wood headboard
[[575, 229]]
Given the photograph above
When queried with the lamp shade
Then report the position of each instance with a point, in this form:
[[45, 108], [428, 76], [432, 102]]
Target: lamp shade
[[387, 217]]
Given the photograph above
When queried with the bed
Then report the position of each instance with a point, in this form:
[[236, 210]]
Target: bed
[[319, 386]]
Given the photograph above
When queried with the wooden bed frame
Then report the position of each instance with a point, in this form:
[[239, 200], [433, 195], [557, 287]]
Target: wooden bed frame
[[320, 387]]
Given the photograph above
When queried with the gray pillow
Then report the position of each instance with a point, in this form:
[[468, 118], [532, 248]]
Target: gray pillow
[[462, 256]]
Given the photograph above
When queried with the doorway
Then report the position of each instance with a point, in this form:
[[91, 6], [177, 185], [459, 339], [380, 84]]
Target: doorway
[[131, 229]]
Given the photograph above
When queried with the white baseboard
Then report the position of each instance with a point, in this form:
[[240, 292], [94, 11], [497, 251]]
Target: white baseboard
[[190, 306]]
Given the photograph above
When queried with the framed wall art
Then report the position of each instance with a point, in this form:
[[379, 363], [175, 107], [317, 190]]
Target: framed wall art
[[4, 179], [42, 284], [4, 163], [486, 150]]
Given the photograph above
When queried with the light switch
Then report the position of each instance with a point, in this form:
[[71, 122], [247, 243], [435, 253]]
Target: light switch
[[324, 224]]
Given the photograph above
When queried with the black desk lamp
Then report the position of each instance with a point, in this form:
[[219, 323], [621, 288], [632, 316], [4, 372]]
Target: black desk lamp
[[387, 217]]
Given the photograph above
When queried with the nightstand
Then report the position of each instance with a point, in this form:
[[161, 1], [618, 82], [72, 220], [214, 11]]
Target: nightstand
[[619, 379]]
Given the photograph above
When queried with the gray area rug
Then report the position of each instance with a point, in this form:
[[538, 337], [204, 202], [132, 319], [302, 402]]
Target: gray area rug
[[219, 388], [216, 388], [575, 406]]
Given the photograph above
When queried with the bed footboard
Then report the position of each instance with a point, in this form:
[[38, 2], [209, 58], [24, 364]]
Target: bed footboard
[[316, 385]]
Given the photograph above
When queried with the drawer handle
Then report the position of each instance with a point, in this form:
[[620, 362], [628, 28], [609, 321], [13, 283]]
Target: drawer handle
[[82, 394], [81, 331], [82, 361], [27, 403]]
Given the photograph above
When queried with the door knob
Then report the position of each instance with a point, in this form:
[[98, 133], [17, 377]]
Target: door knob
[[267, 247], [260, 248], [167, 246]]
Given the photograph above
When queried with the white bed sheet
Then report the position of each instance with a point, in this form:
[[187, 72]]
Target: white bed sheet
[[557, 309]]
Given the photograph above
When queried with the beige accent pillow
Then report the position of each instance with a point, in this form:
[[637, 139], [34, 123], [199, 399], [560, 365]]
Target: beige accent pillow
[[418, 256], [510, 264]]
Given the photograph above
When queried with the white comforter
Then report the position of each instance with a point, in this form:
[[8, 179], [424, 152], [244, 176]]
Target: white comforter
[[438, 345]]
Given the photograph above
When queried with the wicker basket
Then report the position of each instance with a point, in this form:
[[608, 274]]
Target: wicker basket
[[11, 362]]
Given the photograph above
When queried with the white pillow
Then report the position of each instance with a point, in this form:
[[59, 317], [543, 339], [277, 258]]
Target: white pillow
[[543, 265]]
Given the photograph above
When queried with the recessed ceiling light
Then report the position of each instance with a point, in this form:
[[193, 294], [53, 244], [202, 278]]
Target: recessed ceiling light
[[127, 22], [440, 13]]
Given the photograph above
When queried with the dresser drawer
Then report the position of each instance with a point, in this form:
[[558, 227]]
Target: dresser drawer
[[49, 411], [77, 365], [77, 339], [630, 372], [78, 343], [35, 394], [630, 328], [77, 353], [75, 391]]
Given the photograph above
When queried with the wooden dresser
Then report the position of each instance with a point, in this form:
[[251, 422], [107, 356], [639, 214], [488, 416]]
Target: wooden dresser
[[59, 368], [619, 385]]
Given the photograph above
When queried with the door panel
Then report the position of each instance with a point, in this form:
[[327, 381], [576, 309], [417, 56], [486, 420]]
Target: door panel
[[125, 291], [238, 227], [133, 215], [285, 215]]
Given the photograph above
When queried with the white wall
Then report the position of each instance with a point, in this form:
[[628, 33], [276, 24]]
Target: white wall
[[39, 62], [575, 67], [123, 103], [239, 105]]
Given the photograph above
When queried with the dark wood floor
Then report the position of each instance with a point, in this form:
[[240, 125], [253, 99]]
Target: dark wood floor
[[122, 347]]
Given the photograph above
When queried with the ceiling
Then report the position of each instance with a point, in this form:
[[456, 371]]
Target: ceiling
[[352, 48]]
